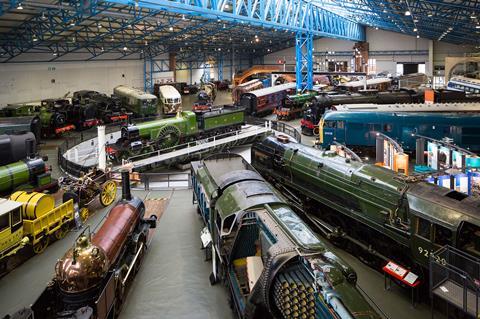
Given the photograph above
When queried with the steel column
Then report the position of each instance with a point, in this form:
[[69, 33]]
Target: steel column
[[304, 61]]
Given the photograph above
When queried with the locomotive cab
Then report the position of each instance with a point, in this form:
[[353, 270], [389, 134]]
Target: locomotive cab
[[11, 231]]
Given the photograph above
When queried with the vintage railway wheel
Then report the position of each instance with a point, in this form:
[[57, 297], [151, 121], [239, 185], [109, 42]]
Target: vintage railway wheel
[[84, 214], [61, 232], [168, 136], [108, 193], [40, 247]]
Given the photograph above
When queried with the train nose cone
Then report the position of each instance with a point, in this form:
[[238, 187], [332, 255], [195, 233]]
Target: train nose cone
[[82, 268]]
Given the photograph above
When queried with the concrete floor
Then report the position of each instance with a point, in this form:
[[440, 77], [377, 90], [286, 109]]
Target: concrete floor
[[173, 280]]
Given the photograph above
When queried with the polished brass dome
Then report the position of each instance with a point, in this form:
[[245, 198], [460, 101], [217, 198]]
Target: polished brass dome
[[82, 267]]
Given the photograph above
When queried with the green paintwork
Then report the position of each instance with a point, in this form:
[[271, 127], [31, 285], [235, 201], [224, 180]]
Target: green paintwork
[[184, 121], [13, 175], [372, 195], [300, 99], [14, 110], [225, 119], [17, 110], [140, 103], [244, 191]]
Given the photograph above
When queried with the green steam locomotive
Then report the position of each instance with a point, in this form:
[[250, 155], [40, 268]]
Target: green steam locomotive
[[378, 213], [170, 132], [31, 174], [274, 265]]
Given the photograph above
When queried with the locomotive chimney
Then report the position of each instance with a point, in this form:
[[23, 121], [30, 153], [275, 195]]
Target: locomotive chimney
[[30, 147], [126, 194]]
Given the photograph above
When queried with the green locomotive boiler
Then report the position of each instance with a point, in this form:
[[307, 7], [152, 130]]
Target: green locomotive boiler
[[29, 175], [273, 264], [170, 132], [369, 207]]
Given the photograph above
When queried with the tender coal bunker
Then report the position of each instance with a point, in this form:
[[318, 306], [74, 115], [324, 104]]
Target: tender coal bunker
[[456, 195]]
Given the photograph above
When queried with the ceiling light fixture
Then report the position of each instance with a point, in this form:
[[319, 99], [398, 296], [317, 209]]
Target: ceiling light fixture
[[19, 7], [171, 28], [429, 15], [125, 48], [415, 29], [408, 13]]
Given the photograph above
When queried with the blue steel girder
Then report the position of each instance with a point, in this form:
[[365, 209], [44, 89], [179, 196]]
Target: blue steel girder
[[452, 20], [293, 15], [49, 26], [304, 61], [150, 68]]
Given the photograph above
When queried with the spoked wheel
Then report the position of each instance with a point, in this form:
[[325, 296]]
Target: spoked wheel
[[108, 193], [61, 232], [119, 291], [84, 214], [40, 247]]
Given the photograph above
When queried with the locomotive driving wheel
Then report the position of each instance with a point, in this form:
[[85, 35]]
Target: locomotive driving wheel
[[40, 247], [168, 136], [61, 232], [108, 193]]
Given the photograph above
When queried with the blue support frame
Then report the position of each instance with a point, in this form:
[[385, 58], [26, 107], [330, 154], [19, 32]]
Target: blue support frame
[[304, 61], [296, 16], [150, 68]]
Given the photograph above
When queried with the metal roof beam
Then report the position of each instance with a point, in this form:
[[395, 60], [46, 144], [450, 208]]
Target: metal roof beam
[[297, 16]]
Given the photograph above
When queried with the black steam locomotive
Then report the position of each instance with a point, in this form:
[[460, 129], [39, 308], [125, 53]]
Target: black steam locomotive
[[93, 107]]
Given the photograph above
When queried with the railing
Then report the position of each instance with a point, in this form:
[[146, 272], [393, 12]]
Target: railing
[[161, 181], [72, 167], [75, 168], [278, 126], [455, 278], [214, 139]]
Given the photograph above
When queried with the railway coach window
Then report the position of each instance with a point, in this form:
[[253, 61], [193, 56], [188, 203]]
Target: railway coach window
[[4, 222], [330, 124], [469, 238], [443, 236], [16, 216], [423, 228], [387, 127]]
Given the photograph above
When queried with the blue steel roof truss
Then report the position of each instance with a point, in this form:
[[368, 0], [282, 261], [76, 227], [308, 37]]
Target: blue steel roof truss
[[455, 21], [127, 29]]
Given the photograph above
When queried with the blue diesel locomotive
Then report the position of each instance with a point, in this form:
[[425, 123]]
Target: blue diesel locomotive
[[359, 129]]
